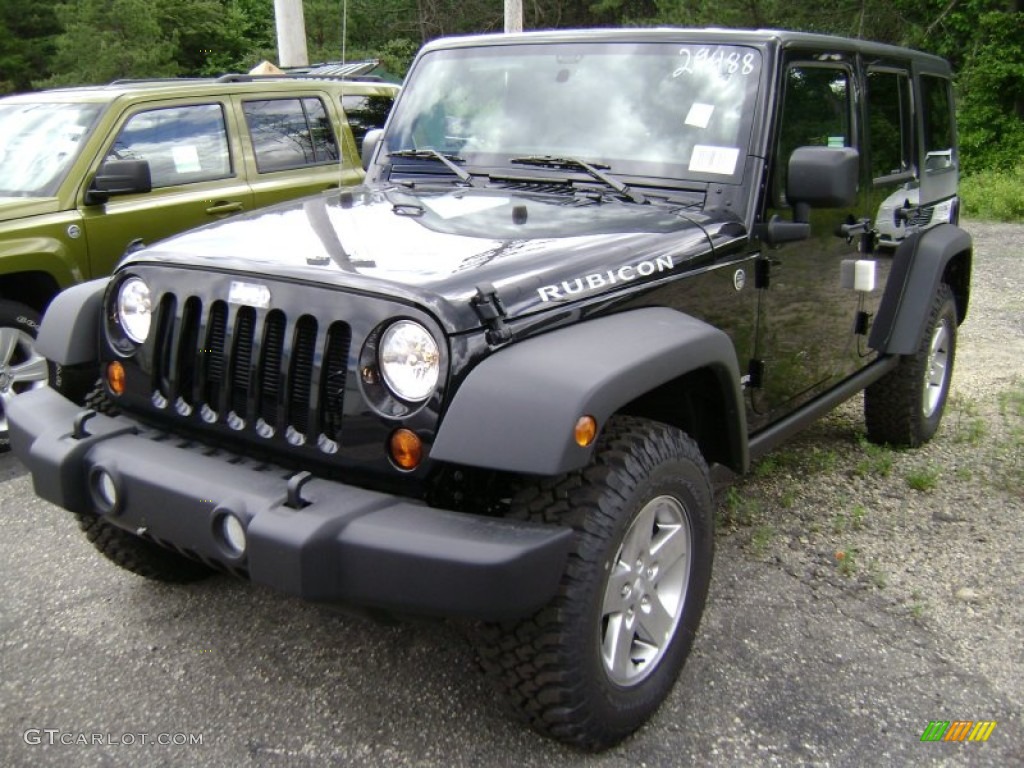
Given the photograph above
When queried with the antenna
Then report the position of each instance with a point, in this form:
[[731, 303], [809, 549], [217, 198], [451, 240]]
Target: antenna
[[344, 40]]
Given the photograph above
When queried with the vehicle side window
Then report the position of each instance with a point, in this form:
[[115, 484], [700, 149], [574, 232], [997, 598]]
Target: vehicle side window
[[937, 105], [365, 113], [816, 112], [183, 145], [290, 133], [889, 124]]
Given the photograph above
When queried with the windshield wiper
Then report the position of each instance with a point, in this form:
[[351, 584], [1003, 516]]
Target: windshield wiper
[[549, 161], [432, 154]]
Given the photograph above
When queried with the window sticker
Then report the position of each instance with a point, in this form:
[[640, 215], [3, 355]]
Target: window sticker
[[717, 160], [700, 115], [186, 159]]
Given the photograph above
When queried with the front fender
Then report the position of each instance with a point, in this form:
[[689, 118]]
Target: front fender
[[69, 334], [40, 254], [919, 265], [517, 410]]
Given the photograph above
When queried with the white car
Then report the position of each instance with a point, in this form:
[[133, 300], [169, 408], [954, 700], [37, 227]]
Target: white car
[[891, 230]]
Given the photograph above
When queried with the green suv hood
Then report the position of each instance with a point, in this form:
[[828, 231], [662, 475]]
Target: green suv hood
[[23, 207]]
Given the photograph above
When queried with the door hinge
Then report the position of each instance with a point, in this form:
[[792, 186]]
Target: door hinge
[[763, 272], [492, 314], [755, 374]]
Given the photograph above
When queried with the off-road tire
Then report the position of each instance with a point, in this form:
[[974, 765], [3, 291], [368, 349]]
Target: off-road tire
[[75, 382], [140, 556], [552, 666], [903, 408], [22, 323], [100, 401]]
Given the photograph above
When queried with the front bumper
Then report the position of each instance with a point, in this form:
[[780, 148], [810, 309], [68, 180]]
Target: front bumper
[[321, 540]]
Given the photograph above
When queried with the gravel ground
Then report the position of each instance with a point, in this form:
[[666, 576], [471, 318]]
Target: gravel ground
[[933, 533]]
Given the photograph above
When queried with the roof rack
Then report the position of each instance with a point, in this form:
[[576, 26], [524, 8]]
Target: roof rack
[[236, 77], [144, 80], [332, 70]]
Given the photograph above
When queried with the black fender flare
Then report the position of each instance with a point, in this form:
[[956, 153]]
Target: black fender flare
[[69, 334], [919, 265], [516, 411]]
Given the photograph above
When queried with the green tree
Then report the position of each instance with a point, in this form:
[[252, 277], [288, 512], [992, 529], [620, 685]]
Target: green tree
[[984, 40], [212, 37], [27, 33], [108, 39]]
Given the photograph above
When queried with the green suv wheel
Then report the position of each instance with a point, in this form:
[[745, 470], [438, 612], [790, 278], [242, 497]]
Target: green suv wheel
[[21, 367]]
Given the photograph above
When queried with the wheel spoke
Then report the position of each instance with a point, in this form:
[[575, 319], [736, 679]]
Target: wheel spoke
[[656, 622], [618, 644], [638, 539], [8, 343], [34, 369], [670, 546], [937, 370], [615, 601]]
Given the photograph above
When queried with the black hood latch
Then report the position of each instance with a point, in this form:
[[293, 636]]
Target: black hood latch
[[492, 314]]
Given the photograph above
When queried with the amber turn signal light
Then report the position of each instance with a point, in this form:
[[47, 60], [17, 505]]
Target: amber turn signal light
[[586, 431], [115, 378], [406, 449]]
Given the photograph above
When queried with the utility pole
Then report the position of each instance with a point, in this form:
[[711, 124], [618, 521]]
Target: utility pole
[[291, 33], [513, 15]]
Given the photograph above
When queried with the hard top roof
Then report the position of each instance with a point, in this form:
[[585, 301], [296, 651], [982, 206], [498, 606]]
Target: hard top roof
[[720, 36]]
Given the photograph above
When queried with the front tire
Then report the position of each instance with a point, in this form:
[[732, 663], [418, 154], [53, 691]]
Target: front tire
[[904, 407], [593, 665], [139, 556]]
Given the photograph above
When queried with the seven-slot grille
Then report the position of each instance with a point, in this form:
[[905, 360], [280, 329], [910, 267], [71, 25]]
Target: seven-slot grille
[[265, 373]]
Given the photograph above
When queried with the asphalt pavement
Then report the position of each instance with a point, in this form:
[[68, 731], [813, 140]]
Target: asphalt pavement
[[99, 667]]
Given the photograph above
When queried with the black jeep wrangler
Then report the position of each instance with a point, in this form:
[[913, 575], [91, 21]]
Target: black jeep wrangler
[[589, 273]]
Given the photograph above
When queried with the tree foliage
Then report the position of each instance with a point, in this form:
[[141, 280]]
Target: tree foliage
[[57, 42]]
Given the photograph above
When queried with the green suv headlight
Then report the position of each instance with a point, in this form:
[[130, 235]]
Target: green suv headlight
[[410, 361], [135, 309]]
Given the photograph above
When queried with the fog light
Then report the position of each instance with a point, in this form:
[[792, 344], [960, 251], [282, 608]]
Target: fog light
[[233, 534], [115, 378], [586, 431], [406, 449], [105, 490]]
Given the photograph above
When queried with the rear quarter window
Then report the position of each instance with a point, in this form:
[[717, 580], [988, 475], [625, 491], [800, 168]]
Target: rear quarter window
[[290, 133], [365, 113], [937, 107]]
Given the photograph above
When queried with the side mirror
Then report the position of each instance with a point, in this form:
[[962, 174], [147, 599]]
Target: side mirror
[[817, 177], [822, 177], [370, 142], [119, 177]]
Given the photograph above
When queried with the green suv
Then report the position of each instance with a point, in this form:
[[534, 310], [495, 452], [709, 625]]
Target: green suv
[[87, 174]]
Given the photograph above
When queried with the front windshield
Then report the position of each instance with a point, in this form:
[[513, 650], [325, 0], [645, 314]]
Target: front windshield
[[652, 109], [38, 143]]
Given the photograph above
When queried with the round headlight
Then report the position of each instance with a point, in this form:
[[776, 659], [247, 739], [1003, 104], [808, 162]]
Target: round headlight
[[409, 360], [135, 309]]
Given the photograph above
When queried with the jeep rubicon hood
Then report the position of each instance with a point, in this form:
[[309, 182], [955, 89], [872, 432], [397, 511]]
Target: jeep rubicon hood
[[436, 248]]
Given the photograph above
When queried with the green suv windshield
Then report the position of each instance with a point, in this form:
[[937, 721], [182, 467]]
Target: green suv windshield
[[658, 110], [38, 143]]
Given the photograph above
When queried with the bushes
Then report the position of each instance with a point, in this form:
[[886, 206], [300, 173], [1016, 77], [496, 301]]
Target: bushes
[[994, 195]]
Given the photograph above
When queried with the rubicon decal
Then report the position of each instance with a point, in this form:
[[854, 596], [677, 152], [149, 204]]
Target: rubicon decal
[[598, 280]]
